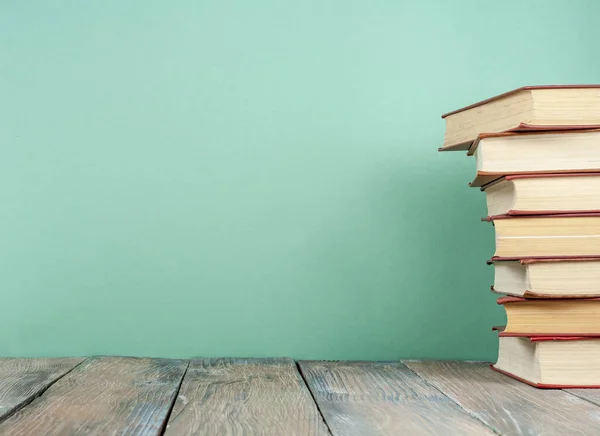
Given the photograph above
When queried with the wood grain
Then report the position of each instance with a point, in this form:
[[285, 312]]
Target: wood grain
[[383, 398], [111, 395], [591, 395], [507, 405], [244, 396], [21, 380]]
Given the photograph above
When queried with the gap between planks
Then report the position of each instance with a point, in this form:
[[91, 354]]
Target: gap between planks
[[249, 395], [509, 406], [47, 392], [406, 363], [528, 409], [312, 395], [588, 395], [44, 385], [163, 429], [383, 398], [103, 395]]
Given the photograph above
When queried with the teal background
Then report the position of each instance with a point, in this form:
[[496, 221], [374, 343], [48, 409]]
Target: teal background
[[216, 178]]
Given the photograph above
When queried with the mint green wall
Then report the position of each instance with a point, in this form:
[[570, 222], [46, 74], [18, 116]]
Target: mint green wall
[[186, 178]]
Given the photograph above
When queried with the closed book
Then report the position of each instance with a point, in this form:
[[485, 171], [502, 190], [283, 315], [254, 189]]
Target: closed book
[[550, 362], [564, 152], [567, 235], [551, 317], [549, 107], [543, 194], [548, 278]]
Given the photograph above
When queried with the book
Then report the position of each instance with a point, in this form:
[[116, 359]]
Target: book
[[548, 278], [550, 107], [498, 155], [550, 362], [551, 317], [537, 194], [546, 236]]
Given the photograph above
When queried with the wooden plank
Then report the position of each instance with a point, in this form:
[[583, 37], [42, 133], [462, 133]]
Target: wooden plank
[[591, 395], [507, 405], [111, 395], [21, 380], [383, 398], [244, 396]]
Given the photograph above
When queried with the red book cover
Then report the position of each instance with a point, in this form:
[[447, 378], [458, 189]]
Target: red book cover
[[485, 179], [527, 130], [566, 214], [534, 259], [510, 299], [537, 296], [540, 338], [543, 385], [540, 176]]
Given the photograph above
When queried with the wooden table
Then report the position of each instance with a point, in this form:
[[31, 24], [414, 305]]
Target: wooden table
[[140, 396]]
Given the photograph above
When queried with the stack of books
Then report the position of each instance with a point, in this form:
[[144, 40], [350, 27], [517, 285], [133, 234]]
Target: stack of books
[[537, 156]]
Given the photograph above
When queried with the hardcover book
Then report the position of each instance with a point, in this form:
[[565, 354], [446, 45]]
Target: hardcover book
[[498, 155], [575, 235], [547, 317], [542, 194], [548, 278], [550, 107], [551, 361]]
